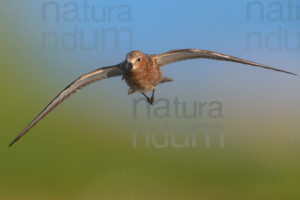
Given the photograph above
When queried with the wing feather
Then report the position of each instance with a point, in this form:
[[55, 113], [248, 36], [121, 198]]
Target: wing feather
[[184, 54], [82, 81]]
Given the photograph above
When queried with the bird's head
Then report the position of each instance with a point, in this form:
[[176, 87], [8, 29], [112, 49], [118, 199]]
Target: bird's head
[[134, 60]]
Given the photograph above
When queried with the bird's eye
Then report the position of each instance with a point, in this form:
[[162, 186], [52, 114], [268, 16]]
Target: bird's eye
[[139, 59]]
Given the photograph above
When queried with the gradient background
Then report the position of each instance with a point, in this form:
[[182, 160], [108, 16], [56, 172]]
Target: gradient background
[[84, 150]]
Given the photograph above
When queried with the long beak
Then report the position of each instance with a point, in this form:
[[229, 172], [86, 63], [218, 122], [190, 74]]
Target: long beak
[[127, 68]]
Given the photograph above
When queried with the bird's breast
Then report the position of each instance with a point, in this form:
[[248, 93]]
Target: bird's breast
[[144, 78]]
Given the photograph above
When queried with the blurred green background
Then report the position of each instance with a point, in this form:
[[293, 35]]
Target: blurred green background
[[85, 148]]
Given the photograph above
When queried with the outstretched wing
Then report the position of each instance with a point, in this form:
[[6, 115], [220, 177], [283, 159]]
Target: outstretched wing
[[184, 54], [99, 74]]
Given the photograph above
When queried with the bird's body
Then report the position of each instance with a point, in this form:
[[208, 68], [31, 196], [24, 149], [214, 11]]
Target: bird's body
[[141, 72], [145, 75]]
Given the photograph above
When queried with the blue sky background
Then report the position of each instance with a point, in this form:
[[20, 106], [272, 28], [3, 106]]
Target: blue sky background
[[160, 26]]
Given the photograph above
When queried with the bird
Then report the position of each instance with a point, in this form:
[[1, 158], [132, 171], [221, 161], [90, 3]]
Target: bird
[[142, 73]]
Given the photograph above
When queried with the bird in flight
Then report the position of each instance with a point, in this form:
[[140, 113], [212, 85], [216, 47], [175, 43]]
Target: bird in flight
[[141, 72]]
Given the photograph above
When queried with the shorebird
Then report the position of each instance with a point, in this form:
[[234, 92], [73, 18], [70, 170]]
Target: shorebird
[[141, 72]]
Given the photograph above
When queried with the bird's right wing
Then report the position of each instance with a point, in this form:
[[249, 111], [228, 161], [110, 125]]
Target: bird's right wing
[[99, 74]]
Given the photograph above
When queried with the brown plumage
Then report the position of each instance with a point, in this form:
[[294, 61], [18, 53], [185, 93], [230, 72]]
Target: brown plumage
[[145, 74], [141, 72]]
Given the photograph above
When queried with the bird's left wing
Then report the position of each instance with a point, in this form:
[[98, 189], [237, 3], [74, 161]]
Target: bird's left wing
[[184, 54], [99, 74]]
